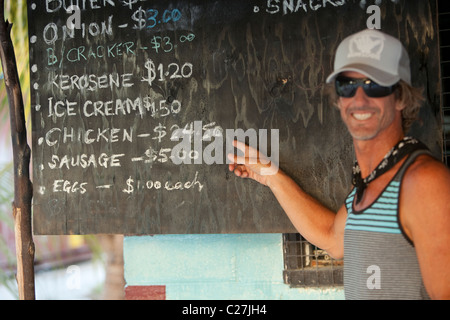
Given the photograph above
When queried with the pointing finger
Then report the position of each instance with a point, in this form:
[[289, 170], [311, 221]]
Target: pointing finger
[[250, 154]]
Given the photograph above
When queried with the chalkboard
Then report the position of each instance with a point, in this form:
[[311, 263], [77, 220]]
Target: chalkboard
[[118, 87]]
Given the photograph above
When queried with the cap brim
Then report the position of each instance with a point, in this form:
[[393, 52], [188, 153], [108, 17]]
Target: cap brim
[[380, 77]]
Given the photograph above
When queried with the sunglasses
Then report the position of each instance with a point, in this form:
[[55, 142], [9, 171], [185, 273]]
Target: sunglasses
[[346, 87]]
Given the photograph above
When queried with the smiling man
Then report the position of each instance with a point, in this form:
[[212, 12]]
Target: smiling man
[[393, 230]]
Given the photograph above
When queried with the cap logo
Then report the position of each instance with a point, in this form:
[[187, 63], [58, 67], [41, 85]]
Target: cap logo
[[366, 46]]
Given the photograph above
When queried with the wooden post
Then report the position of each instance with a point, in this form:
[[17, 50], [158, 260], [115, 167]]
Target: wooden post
[[23, 189]]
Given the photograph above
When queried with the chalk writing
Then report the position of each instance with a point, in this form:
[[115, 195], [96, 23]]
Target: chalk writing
[[151, 155], [52, 32], [91, 82], [166, 43], [69, 186], [85, 161], [152, 17], [293, 6], [85, 53], [132, 185], [65, 135], [100, 100], [118, 107], [53, 6], [286, 7], [172, 71]]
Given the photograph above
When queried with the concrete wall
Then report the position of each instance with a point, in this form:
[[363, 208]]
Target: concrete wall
[[218, 267]]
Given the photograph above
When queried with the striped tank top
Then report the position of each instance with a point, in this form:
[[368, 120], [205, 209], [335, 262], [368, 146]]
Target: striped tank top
[[380, 262]]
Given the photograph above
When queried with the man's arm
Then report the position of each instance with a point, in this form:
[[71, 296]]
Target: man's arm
[[314, 222], [425, 216]]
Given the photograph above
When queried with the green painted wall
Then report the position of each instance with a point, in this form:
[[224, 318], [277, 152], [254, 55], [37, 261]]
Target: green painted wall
[[214, 266]]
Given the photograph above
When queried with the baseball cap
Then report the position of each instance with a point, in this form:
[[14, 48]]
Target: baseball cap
[[377, 55]]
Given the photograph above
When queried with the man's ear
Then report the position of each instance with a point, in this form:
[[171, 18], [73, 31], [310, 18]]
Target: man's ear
[[399, 101], [399, 105]]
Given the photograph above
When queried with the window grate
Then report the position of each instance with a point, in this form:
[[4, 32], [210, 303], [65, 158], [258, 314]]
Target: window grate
[[305, 265]]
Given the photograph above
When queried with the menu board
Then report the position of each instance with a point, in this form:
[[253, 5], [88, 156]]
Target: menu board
[[135, 105]]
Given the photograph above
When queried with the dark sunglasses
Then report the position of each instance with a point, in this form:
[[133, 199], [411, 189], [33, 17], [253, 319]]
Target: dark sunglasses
[[346, 87]]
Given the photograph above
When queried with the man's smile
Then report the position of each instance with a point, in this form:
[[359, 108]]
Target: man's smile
[[362, 116]]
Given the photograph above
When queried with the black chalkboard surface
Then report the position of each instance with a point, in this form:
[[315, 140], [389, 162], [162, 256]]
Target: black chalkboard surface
[[133, 103]]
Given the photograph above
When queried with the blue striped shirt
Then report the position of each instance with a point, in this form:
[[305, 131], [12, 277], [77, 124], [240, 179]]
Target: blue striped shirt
[[380, 262]]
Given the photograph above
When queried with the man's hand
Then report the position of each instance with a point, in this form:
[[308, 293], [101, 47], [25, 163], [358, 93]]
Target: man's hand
[[253, 164]]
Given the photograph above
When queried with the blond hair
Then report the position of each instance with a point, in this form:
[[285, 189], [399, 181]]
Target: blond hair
[[411, 99]]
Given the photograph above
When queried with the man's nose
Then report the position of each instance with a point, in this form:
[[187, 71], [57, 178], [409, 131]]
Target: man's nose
[[360, 96]]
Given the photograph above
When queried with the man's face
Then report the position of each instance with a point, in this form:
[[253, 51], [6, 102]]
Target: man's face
[[367, 117]]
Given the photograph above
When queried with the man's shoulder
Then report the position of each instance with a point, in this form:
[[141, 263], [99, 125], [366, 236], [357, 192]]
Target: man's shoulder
[[427, 172]]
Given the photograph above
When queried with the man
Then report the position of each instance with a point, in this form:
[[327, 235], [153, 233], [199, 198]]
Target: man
[[393, 230]]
